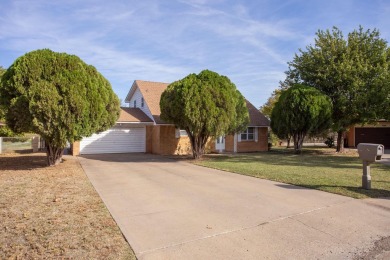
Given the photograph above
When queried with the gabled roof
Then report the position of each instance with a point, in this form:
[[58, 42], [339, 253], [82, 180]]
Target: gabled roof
[[130, 114], [256, 117], [151, 92]]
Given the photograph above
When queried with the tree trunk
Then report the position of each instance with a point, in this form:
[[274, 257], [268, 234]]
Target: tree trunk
[[198, 144], [340, 141], [288, 142], [54, 154], [298, 142]]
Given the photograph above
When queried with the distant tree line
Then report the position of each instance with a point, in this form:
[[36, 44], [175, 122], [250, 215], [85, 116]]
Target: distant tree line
[[353, 72]]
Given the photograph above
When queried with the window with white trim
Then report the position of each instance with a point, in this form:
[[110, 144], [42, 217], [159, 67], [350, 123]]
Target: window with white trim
[[180, 132], [135, 103], [183, 132], [248, 135], [142, 102]]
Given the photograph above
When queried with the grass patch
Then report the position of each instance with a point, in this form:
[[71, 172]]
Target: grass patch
[[316, 168], [54, 213]]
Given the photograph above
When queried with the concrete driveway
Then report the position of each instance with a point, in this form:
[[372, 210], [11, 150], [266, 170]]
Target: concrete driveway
[[171, 209]]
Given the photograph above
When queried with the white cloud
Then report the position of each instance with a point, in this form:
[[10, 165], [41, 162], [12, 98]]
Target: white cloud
[[248, 41]]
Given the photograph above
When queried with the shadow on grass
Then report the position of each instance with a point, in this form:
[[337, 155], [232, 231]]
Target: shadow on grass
[[288, 158], [373, 193], [23, 162]]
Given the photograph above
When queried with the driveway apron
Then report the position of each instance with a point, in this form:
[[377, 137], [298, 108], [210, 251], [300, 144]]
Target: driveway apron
[[169, 209]]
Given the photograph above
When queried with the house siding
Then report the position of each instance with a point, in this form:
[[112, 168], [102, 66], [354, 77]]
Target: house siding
[[138, 97], [249, 146], [149, 139], [164, 141]]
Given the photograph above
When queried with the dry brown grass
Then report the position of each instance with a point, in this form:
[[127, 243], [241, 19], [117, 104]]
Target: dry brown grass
[[54, 212]]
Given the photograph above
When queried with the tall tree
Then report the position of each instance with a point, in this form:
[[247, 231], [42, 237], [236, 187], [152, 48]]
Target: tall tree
[[266, 109], [205, 105], [353, 72], [4, 130], [2, 109], [57, 96], [301, 111]]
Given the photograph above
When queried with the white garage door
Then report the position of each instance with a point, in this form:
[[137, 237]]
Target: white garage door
[[115, 141]]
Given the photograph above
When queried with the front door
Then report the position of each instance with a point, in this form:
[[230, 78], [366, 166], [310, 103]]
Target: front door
[[220, 144]]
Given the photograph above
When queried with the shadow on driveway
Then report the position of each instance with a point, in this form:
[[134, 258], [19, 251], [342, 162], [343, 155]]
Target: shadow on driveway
[[373, 193], [132, 157]]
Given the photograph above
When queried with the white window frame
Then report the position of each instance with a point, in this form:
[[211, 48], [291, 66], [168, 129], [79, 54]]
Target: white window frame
[[142, 102], [180, 133], [135, 103], [244, 136]]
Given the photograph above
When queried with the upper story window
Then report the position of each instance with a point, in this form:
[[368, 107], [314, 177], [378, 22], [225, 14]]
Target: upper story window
[[142, 102], [249, 134], [135, 103]]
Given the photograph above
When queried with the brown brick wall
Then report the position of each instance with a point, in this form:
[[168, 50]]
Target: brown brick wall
[[149, 139], [164, 142], [183, 146], [229, 143], [252, 146], [351, 137], [249, 146], [156, 140], [168, 141], [75, 148]]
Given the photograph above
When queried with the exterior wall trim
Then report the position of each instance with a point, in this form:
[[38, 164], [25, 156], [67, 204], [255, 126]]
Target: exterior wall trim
[[136, 123]]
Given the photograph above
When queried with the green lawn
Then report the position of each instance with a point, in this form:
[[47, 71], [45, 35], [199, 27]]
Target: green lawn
[[316, 168]]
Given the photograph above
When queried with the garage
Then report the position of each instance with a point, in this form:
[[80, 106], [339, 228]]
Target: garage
[[376, 135], [115, 140]]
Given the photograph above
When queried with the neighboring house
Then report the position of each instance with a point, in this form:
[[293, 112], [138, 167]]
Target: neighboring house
[[378, 133], [140, 129]]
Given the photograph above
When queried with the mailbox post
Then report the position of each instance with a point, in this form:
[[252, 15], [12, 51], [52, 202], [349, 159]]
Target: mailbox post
[[369, 153]]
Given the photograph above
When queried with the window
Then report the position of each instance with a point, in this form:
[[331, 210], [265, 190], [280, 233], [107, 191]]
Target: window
[[142, 102], [183, 132], [135, 103], [248, 135], [180, 132]]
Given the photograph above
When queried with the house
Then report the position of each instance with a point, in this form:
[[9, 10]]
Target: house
[[140, 129], [378, 133]]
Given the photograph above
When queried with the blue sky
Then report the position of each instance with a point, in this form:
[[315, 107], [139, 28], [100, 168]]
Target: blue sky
[[248, 41]]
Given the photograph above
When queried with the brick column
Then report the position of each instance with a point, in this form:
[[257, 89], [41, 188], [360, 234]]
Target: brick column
[[75, 148]]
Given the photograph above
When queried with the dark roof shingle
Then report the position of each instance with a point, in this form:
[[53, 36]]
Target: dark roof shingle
[[256, 117]]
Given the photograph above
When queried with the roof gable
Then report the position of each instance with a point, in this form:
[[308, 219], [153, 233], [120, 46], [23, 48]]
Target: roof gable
[[256, 117], [130, 115], [152, 91]]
